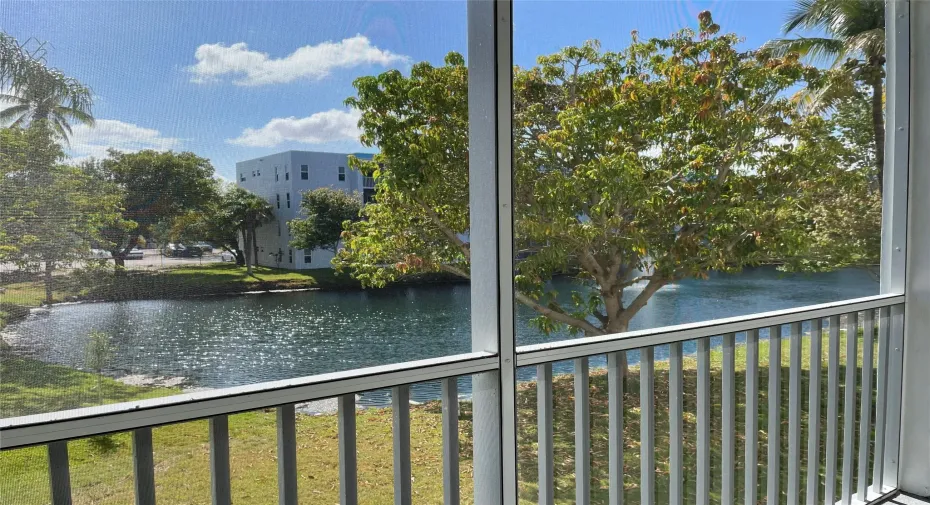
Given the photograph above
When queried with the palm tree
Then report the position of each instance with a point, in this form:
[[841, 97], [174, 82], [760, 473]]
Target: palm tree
[[38, 92], [854, 43], [249, 211]]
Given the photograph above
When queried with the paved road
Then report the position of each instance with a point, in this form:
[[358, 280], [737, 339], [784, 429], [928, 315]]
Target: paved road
[[152, 259]]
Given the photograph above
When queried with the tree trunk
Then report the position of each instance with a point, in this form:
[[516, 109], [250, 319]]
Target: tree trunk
[[249, 253], [878, 125], [49, 267]]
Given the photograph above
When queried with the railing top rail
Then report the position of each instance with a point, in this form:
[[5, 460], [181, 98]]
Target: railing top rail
[[89, 421], [589, 346]]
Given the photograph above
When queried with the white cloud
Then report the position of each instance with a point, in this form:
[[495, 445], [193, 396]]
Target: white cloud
[[94, 141], [328, 126], [254, 68]]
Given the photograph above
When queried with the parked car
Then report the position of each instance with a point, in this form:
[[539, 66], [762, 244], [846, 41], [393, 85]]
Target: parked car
[[135, 254], [191, 252], [203, 246], [182, 251]]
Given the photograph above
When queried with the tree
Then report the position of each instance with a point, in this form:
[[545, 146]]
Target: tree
[[40, 93], [248, 211], [215, 224], [155, 186], [633, 169], [51, 212], [326, 211], [855, 42], [840, 210]]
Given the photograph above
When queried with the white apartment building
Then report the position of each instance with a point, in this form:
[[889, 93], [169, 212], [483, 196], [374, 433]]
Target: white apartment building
[[280, 179]]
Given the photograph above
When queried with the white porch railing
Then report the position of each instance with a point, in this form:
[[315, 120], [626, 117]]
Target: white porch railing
[[877, 441]]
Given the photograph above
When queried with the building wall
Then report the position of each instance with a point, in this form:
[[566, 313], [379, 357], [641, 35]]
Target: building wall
[[279, 177]]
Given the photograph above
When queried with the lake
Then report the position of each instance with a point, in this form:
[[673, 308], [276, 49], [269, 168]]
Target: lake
[[233, 340]]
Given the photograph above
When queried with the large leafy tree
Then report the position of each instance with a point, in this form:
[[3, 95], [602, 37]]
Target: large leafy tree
[[854, 44], [247, 212], [633, 169], [50, 212], [324, 213], [37, 92], [218, 223], [155, 187], [840, 208]]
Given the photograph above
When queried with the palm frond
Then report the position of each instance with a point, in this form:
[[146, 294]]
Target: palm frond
[[815, 49], [868, 43], [14, 113]]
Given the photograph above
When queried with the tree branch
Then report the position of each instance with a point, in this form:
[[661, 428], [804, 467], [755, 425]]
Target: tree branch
[[558, 316], [655, 283]]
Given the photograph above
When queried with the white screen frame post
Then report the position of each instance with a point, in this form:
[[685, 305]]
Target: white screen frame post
[[911, 144], [490, 70]]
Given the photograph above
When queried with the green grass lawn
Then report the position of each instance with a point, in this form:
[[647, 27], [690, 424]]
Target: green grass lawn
[[101, 470]]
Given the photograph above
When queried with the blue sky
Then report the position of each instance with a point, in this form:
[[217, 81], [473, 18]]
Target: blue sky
[[233, 80]]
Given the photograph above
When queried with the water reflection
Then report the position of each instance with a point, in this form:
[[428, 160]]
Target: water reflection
[[225, 341]]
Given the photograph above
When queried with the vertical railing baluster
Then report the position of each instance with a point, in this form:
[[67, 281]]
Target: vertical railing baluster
[[773, 468], [616, 367], [400, 402], [582, 434], [348, 455], [849, 406], [59, 473], [287, 455], [881, 386], [813, 413], [703, 422], [833, 385], [751, 476], [794, 414], [544, 433], [728, 425], [865, 414], [450, 441], [647, 426], [675, 425], [143, 466], [219, 460]]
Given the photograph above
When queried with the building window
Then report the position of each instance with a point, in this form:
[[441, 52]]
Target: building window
[[287, 176], [242, 177], [342, 173], [368, 196], [253, 173], [290, 255], [304, 172], [276, 173], [288, 195], [258, 172], [278, 200], [307, 257]]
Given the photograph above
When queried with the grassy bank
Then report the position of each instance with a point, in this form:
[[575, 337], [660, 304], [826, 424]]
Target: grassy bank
[[102, 471], [180, 282]]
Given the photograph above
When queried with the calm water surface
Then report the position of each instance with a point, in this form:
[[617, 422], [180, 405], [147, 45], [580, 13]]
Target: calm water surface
[[226, 341]]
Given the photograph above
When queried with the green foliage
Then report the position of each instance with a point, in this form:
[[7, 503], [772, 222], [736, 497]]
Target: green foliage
[[51, 212], [34, 91], [666, 160], [855, 42], [98, 352], [155, 187], [215, 223], [326, 211], [245, 212]]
